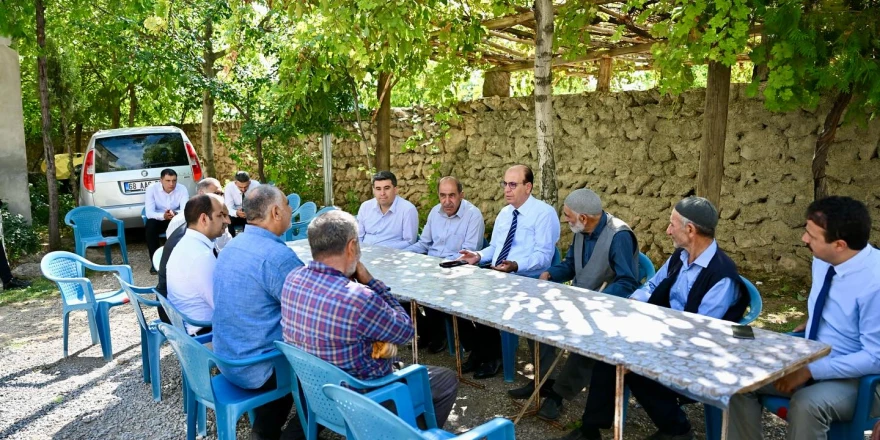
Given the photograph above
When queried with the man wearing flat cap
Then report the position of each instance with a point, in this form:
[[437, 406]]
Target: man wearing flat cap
[[699, 278], [603, 252]]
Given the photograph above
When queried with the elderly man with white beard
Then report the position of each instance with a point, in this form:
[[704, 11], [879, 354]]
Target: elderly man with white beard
[[604, 251]]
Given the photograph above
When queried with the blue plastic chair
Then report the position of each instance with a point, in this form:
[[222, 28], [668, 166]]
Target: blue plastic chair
[[293, 200], [755, 302], [850, 430], [177, 320], [67, 270], [646, 268], [86, 223], [510, 341], [151, 339], [325, 209], [144, 218], [367, 420], [312, 373], [299, 221], [228, 401]]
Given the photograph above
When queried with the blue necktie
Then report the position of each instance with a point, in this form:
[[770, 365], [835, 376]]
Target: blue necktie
[[508, 242], [820, 303]]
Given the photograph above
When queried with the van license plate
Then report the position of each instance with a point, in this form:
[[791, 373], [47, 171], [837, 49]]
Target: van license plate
[[137, 186]]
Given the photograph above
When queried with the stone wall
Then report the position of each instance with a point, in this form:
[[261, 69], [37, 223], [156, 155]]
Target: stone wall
[[640, 151]]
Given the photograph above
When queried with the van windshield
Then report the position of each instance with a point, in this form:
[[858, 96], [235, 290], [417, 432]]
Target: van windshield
[[139, 151]]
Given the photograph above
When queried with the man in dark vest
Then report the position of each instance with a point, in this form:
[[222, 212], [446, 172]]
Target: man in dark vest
[[603, 256], [699, 278]]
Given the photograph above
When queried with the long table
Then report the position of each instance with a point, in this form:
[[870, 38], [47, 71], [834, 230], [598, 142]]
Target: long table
[[695, 355]]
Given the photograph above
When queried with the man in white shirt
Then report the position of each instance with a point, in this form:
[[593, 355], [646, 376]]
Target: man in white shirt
[[162, 200], [454, 224], [387, 220], [190, 269], [234, 196], [208, 185], [523, 242]]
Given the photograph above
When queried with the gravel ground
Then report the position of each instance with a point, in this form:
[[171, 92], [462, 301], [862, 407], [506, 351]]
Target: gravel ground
[[43, 395]]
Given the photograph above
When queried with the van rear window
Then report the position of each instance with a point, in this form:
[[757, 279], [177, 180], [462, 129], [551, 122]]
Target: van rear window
[[139, 151]]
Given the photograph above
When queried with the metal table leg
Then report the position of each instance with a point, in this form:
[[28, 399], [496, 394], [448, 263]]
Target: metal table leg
[[619, 403]]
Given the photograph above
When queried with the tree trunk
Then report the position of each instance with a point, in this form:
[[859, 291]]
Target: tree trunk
[[208, 101], [496, 83], [77, 148], [383, 125], [116, 112], [714, 133], [823, 143], [132, 104], [48, 149], [77, 137], [258, 147], [543, 99]]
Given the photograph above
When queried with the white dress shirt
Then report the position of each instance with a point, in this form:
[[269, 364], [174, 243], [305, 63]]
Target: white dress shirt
[[534, 242], [190, 275], [445, 235], [157, 201], [398, 228], [850, 320], [232, 196], [178, 220]]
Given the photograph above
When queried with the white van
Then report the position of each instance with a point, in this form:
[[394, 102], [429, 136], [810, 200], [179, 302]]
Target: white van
[[120, 164]]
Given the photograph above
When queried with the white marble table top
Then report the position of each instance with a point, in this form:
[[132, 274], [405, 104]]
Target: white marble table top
[[693, 354]]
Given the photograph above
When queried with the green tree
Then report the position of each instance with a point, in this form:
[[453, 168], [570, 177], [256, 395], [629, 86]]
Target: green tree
[[825, 48]]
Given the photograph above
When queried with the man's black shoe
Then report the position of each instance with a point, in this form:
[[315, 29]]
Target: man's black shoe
[[525, 391], [488, 369], [550, 409], [15, 283], [470, 364], [577, 434], [437, 346]]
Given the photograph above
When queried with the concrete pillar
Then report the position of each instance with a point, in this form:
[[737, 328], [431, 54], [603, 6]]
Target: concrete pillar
[[13, 156]]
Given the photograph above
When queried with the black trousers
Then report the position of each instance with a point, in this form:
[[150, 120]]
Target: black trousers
[[270, 418], [661, 403], [153, 229], [236, 221], [482, 341], [5, 270]]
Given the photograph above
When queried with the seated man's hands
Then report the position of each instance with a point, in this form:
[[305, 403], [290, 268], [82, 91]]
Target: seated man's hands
[[506, 266], [470, 257], [169, 214], [361, 274], [384, 350], [793, 381], [240, 213], [544, 276], [800, 328]]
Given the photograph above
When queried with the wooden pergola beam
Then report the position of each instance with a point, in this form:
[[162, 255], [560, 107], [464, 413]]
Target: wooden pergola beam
[[508, 21], [590, 56], [504, 36]]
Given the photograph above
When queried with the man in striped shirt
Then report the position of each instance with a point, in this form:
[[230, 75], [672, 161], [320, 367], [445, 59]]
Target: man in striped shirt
[[334, 309]]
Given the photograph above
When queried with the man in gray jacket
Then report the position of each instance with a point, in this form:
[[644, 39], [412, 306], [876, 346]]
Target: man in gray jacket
[[604, 256]]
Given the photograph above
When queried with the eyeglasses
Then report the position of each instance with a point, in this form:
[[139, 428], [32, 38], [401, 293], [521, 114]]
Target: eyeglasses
[[218, 193], [511, 185]]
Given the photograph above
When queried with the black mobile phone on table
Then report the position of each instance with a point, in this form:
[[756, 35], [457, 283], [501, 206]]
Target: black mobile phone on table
[[743, 331], [453, 263]]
